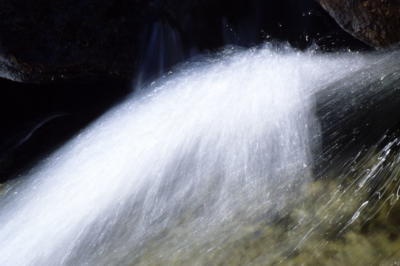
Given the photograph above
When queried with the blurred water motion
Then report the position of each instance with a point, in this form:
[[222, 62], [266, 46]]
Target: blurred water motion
[[222, 152]]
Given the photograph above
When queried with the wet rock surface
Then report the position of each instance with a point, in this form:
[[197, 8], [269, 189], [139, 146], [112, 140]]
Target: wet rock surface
[[335, 221], [375, 22]]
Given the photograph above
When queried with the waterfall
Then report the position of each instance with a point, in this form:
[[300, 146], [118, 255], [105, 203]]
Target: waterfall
[[216, 143]]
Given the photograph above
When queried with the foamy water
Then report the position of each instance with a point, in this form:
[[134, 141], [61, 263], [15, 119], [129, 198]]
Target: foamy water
[[217, 143]]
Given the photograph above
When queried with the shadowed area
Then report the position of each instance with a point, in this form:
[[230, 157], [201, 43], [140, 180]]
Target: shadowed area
[[36, 119]]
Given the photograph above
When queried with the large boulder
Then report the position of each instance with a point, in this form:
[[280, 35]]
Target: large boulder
[[375, 22]]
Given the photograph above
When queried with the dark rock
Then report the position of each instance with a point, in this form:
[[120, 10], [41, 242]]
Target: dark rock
[[46, 40], [49, 40], [375, 22]]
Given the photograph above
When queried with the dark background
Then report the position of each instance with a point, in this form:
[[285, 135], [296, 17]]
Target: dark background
[[37, 118]]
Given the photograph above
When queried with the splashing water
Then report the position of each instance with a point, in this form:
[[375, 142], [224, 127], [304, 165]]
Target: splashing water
[[200, 153]]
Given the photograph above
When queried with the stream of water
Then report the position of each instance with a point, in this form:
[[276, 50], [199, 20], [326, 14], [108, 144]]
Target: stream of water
[[215, 144]]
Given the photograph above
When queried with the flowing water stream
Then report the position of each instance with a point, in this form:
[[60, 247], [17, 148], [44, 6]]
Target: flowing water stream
[[183, 167]]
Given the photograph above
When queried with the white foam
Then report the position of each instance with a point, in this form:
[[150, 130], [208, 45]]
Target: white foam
[[224, 138]]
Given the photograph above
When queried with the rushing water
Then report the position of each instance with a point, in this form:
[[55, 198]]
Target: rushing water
[[182, 165]]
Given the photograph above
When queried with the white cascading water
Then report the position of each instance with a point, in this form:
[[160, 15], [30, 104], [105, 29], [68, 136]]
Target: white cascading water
[[218, 142]]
